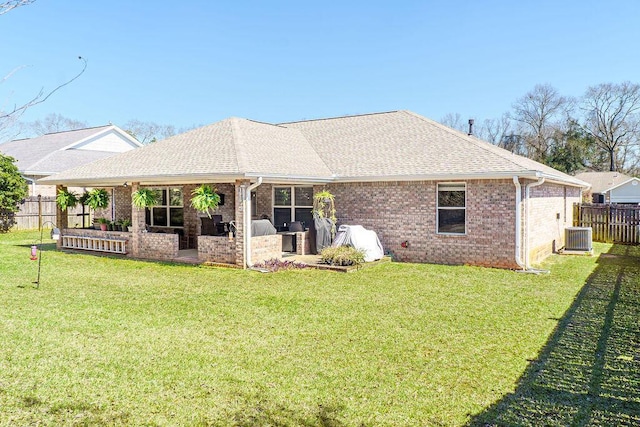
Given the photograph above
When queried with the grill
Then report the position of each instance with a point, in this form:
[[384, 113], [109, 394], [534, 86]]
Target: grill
[[578, 239]]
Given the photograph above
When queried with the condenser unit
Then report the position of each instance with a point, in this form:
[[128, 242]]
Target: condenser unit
[[578, 239]]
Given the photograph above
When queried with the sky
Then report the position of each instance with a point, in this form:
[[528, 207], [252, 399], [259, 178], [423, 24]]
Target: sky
[[189, 63]]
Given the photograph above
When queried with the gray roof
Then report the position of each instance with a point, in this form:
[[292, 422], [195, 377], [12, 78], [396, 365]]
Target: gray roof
[[398, 145], [602, 181], [54, 152]]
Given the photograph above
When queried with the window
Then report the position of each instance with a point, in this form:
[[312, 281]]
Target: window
[[169, 211], [451, 208], [292, 204]]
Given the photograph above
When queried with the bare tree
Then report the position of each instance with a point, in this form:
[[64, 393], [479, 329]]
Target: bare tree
[[540, 113], [611, 117], [10, 5], [148, 132], [455, 121], [495, 130], [54, 123]]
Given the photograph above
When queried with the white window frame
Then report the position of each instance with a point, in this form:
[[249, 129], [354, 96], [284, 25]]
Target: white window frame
[[168, 207], [461, 185], [293, 206]]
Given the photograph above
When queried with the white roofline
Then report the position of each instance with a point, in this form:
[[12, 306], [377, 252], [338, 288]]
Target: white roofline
[[106, 129], [621, 184], [275, 178]]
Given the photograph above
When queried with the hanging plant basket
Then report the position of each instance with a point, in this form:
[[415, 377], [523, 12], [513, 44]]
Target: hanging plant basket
[[98, 198], [205, 199], [66, 199], [145, 198]]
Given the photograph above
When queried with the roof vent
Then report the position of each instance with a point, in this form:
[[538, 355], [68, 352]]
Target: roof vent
[[470, 127]]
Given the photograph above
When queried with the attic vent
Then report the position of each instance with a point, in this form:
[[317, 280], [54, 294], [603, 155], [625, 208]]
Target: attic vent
[[578, 239]]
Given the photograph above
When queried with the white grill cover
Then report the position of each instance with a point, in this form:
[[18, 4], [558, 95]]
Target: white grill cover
[[361, 239]]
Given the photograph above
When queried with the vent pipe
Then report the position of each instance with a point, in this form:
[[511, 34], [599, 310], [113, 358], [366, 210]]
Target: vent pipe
[[470, 127]]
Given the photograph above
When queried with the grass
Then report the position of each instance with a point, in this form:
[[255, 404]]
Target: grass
[[107, 341]]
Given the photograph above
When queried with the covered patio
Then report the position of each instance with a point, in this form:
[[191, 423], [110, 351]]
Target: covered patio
[[174, 231]]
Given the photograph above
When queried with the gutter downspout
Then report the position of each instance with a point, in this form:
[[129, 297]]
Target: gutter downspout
[[526, 218], [518, 221], [247, 222]]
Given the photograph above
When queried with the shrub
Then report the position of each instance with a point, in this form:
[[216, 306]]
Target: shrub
[[275, 264], [341, 255]]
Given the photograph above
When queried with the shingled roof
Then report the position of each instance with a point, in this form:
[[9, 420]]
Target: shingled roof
[[55, 152], [603, 181], [397, 145]]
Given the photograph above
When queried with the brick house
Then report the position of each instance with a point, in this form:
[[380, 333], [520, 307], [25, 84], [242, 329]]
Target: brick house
[[432, 194]]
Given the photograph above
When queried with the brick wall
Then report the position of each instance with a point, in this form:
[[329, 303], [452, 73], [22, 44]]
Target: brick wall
[[302, 243], [161, 246], [550, 212], [264, 248], [122, 200], [406, 211], [216, 249], [264, 203]]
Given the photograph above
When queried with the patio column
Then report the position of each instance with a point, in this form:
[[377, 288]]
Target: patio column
[[239, 219], [137, 224]]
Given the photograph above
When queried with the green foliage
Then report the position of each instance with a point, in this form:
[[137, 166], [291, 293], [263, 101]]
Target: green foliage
[[145, 198], [98, 198], [205, 199], [66, 199], [341, 255], [13, 189], [572, 150]]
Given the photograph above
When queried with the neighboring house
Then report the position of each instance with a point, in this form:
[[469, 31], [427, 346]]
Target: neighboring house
[[432, 194], [612, 187], [55, 152], [627, 192]]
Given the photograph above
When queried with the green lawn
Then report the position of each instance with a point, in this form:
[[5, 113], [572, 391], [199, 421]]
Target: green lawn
[[108, 341]]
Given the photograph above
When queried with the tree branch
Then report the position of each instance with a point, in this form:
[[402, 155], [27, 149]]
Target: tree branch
[[10, 5], [39, 98]]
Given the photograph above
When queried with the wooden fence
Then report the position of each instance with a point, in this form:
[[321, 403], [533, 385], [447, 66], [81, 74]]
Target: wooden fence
[[38, 210], [609, 223]]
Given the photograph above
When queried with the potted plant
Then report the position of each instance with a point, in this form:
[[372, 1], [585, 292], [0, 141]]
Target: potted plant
[[126, 225], [98, 198], [145, 198], [205, 199], [104, 223], [66, 199]]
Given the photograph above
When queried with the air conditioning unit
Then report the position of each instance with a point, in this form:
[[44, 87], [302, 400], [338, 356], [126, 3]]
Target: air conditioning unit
[[578, 239]]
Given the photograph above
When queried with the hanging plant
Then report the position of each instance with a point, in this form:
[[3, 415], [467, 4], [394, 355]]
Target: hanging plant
[[205, 199], [324, 207], [98, 198], [66, 199], [145, 198]]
